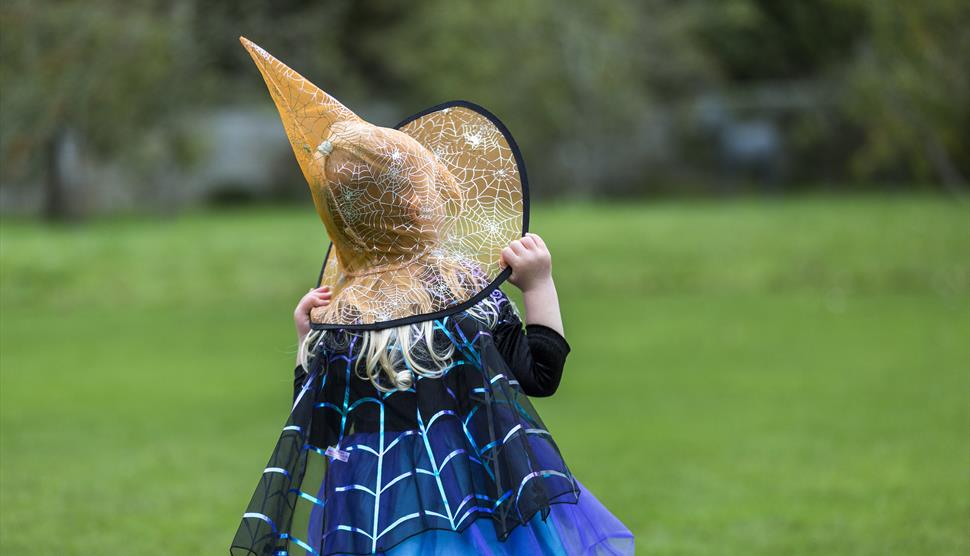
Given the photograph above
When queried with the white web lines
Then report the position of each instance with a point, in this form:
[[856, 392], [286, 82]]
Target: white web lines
[[462, 187]]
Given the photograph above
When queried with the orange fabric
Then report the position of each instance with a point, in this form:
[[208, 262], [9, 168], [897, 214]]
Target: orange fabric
[[417, 216]]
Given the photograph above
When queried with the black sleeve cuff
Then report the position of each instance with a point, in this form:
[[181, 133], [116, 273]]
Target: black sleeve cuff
[[548, 350], [549, 335]]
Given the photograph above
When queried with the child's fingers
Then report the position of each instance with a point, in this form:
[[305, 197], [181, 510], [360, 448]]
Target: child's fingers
[[505, 260], [517, 247], [528, 242], [314, 297], [322, 290], [509, 257], [537, 239]]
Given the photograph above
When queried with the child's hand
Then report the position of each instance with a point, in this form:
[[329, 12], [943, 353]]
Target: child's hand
[[530, 261], [317, 297], [532, 272]]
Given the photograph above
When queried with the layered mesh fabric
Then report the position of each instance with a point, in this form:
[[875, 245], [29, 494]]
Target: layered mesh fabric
[[343, 480], [417, 216]]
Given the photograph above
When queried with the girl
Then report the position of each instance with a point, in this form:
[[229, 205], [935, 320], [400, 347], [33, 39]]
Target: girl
[[411, 430], [536, 357]]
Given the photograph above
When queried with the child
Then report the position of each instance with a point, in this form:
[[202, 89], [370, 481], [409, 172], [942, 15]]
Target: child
[[411, 430], [531, 266]]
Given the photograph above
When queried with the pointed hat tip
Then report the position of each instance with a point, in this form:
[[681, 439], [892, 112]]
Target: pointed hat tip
[[256, 51], [290, 89], [250, 45]]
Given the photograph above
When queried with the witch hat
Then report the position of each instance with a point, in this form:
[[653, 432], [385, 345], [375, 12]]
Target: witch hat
[[417, 215]]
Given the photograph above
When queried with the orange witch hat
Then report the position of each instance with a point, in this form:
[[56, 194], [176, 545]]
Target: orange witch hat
[[417, 215]]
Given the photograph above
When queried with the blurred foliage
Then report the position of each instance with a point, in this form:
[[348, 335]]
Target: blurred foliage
[[897, 72], [770, 40], [102, 69], [603, 96], [576, 81], [910, 90]]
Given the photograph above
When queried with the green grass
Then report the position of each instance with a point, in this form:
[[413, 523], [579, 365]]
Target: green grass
[[751, 377]]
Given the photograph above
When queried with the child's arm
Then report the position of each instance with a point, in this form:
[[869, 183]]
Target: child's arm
[[536, 357], [532, 273], [316, 297]]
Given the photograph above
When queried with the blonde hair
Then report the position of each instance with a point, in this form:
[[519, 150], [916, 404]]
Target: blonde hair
[[397, 354]]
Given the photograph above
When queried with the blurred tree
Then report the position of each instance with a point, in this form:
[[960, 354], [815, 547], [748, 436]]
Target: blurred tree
[[896, 75], [757, 40], [780, 65], [577, 82], [307, 34], [910, 91], [604, 97], [99, 71]]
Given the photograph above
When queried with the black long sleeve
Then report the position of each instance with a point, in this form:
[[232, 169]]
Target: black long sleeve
[[536, 355]]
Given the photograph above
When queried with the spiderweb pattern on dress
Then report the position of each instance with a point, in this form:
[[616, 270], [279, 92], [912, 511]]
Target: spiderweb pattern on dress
[[479, 451]]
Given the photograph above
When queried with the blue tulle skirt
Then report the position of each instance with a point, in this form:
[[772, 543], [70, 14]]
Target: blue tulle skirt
[[574, 525], [584, 528]]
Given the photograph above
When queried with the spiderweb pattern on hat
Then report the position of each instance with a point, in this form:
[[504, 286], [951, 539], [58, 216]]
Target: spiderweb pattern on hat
[[417, 215]]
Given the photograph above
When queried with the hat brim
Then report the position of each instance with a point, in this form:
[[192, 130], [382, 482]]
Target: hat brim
[[468, 140]]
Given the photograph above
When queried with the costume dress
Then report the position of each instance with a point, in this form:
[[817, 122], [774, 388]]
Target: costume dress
[[453, 465]]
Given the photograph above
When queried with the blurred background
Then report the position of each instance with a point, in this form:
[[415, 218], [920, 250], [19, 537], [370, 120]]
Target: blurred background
[[758, 213]]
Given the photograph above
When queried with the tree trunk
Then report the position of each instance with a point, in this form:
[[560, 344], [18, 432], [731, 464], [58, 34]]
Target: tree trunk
[[57, 202]]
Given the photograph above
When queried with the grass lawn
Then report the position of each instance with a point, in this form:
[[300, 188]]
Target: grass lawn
[[747, 377]]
